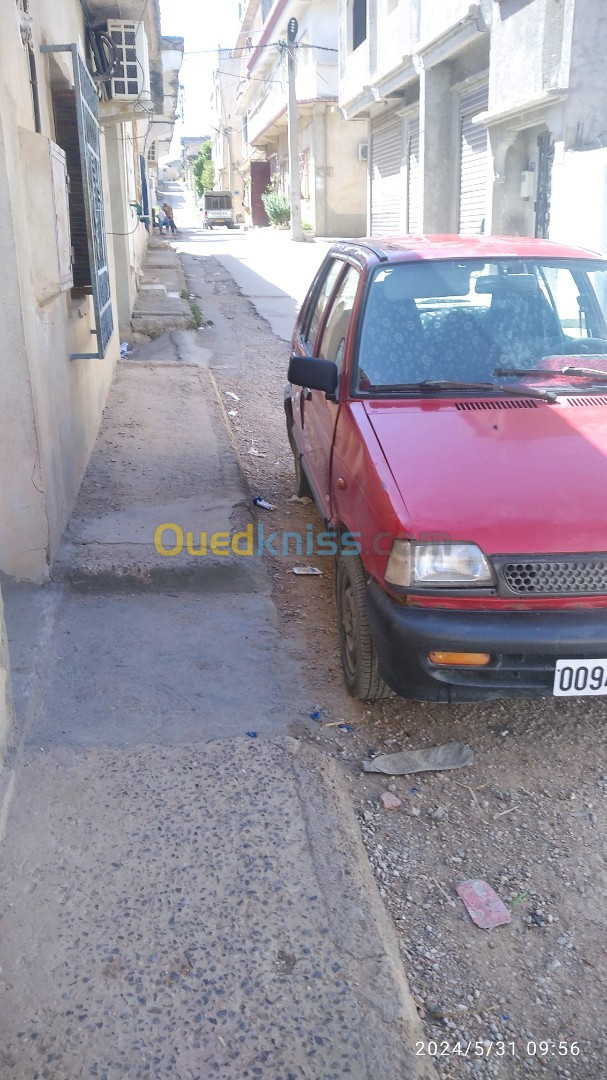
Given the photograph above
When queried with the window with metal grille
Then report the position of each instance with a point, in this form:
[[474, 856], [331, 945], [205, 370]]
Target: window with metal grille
[[77, 133]]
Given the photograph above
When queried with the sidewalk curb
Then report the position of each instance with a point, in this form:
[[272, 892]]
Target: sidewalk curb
[[360, 924]]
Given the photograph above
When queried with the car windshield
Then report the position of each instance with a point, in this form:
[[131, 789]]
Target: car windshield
[[483, 322], [218, 202]]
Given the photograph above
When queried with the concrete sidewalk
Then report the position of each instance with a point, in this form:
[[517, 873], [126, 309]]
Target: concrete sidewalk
[[270, 269], [185, 892]]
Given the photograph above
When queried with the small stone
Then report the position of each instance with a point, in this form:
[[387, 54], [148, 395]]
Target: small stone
[[439, 813], [553, 964], [390, 801]]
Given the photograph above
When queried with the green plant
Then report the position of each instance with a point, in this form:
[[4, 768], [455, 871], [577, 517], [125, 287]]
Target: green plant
[[196, 322], [276, 207], [306, 226], [204, 170]]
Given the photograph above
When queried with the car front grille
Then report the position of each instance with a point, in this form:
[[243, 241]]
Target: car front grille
[[555, 575]]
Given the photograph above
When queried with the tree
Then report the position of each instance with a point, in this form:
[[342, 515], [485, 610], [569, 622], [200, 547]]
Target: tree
[[204, 170]]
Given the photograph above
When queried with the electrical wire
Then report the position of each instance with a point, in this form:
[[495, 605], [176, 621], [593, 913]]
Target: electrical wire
[[254, 48], [237, 48], [242, 78], [130, 233]]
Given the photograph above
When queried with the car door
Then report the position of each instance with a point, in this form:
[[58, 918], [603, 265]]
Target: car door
[[320, 414], [312, 316]]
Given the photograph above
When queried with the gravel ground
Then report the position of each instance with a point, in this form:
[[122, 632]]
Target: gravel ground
[[528, 998]]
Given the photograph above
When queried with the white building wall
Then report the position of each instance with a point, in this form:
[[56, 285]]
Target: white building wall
[[545, 65], [50, 406], [579, 199]]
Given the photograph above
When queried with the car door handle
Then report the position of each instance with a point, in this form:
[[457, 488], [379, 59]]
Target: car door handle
[[307, 394]]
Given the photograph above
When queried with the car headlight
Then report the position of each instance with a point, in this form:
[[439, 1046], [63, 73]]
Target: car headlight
[[436, 565]]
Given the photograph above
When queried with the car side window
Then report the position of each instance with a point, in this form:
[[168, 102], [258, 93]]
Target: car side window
[[333, 271], [336, 327]]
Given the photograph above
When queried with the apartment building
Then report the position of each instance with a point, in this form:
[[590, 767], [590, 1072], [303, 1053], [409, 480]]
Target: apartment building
[[82, 98], [486, 117], [332, 168]]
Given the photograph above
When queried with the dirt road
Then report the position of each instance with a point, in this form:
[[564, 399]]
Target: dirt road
[[528, 816]]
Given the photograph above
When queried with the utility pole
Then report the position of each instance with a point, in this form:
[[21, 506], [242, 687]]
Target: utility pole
[[296, 229]]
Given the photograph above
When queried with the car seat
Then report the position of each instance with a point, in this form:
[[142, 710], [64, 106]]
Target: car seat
[[522, 326], [393, 347]]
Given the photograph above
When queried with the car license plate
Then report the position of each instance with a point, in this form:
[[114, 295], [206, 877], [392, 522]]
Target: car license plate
[[580, 678]]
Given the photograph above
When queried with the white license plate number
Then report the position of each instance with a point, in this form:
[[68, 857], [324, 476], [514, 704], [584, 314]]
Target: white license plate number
[[580, 678]]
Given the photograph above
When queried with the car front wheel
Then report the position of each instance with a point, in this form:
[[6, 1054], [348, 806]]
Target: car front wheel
[[358, 655]]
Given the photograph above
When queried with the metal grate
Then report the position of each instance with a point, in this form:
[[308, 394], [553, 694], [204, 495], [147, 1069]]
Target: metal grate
[[586, 401], [88, 198], [558, 575], [484, 406]]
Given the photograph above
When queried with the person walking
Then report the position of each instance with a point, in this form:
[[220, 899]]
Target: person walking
[[168, 209]]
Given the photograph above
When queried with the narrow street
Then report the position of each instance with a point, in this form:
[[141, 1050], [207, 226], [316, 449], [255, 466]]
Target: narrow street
[[528, 816], [186, 889], [185, 892]]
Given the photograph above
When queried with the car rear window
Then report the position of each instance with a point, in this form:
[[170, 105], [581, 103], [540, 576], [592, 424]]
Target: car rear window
[[461, 320]]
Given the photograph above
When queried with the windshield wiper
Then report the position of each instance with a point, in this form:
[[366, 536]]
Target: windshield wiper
[[447, 384], [579, 372]]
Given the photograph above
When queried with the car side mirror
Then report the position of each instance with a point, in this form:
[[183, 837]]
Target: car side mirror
[[314, 373]]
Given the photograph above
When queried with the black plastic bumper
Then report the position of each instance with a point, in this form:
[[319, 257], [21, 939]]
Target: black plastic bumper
[[524, 647]]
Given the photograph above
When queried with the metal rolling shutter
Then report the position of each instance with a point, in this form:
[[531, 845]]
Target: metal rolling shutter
[[473, 168], [386, 187], [414, 181]]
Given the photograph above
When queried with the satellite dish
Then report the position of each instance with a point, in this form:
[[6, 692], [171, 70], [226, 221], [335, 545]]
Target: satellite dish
[[292, 28]]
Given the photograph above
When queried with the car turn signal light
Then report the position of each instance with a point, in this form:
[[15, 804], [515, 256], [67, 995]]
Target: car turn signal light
[[463, 659]]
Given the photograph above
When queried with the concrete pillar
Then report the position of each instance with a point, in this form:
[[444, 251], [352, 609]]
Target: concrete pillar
[[318, 170], [120, 218], [439, 151], [500, 142], [6, 710]]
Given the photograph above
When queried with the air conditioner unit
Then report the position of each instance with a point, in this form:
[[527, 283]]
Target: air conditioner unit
[[363, 151], [130, 80]]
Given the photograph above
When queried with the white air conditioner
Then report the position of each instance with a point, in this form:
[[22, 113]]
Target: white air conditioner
[[363, 151], [130, 79]]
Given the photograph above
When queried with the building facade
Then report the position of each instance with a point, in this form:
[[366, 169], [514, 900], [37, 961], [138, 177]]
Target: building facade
[[76, 118], [332, 174], [191, 145], [488, 117], [226, 130]]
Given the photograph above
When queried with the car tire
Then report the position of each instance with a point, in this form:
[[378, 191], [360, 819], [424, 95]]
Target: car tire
[[358, 655]]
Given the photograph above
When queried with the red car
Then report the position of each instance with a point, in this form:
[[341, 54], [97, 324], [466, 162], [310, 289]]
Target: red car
[[447, 410]]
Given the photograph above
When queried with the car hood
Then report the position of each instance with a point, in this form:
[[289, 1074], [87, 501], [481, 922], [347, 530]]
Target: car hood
[[513, 475]]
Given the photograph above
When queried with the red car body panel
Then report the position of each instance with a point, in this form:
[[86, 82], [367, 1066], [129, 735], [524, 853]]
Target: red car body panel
[[440, 246], [370, 504], [521, 479]]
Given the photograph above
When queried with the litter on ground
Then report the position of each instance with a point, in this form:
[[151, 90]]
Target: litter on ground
[[483, 904], [448, 756], [263, 503], [306, 571]]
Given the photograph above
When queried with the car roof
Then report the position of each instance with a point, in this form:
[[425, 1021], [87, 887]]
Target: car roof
[[413, 248]]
